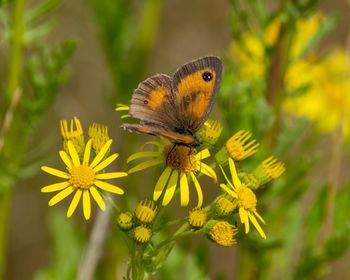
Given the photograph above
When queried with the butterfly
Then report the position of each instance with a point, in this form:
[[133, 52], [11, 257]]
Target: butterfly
[[176, 107]]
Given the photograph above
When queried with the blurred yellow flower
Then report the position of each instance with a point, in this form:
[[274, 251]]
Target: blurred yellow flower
[[250, 51], [181, 163], [82, 178], [327, 102]]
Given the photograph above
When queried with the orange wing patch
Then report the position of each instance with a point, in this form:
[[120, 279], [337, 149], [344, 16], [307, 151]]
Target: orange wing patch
[[194, 84], [156, 97]]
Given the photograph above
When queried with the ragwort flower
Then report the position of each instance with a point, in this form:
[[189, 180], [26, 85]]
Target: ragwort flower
[[83, 178], [181, 163], [244, 199]]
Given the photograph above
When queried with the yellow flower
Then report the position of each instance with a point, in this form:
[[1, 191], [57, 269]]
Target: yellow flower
[[83, 178], [224, 205], [222, 233], [210, 132], [197, 217], [269, 169], [125, 221], [251, 56], [327, 102], [146, 211], [142, 234], [244, 199], [238, 147], [181, 163], [98, 133], [73, 133], [123, 107]]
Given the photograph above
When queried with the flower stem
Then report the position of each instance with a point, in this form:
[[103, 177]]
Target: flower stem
[[14, 80], [16, 43]]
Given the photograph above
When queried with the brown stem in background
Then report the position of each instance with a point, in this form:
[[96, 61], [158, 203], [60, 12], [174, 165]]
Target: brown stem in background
[[16, 97], [275, 82], [333, 182], [94, 247], [97, 239]]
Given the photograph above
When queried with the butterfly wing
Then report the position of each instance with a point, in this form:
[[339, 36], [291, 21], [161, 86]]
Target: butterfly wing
[[194, 87], [152, 102], [172, 136]]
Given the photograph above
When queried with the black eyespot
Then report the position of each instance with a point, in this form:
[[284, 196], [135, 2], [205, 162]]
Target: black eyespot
[[207, 76], [145, 102]]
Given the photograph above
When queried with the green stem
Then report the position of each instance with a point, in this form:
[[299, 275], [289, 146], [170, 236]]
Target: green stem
[[179, 233], [16, 56], [5, 203], [14, 79]]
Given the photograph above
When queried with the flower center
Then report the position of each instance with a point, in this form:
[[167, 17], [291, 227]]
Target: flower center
[[82, 176], [180, 158], [246, 198]]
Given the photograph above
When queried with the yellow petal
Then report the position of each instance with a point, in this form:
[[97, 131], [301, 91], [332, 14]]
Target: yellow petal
[[73, 154], [207, 170], [198, 189], [203, 154], [228, 190], [108, 187], [55, 187], [55, 172], [259, 217], [122, 107], [243, 215], [73, 205], [125, 116], [65, 158], [145, 165], [87, 152], [143, 155], [111, 175], [101, 154], [184, 192], [163, 179], [60, 196], [171, 187], [98, 198], [227, 180], [86, 204], [106, 162], [256, 224], [235, 179]]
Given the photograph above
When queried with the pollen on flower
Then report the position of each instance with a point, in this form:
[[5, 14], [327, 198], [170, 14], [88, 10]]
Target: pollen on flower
[[98, 133], [224, 205], [222, 233], [82, 176], [142, 234], [197, 217], [239, 147], [146, 211], [181, 158], [246, 198], [125, 220]]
